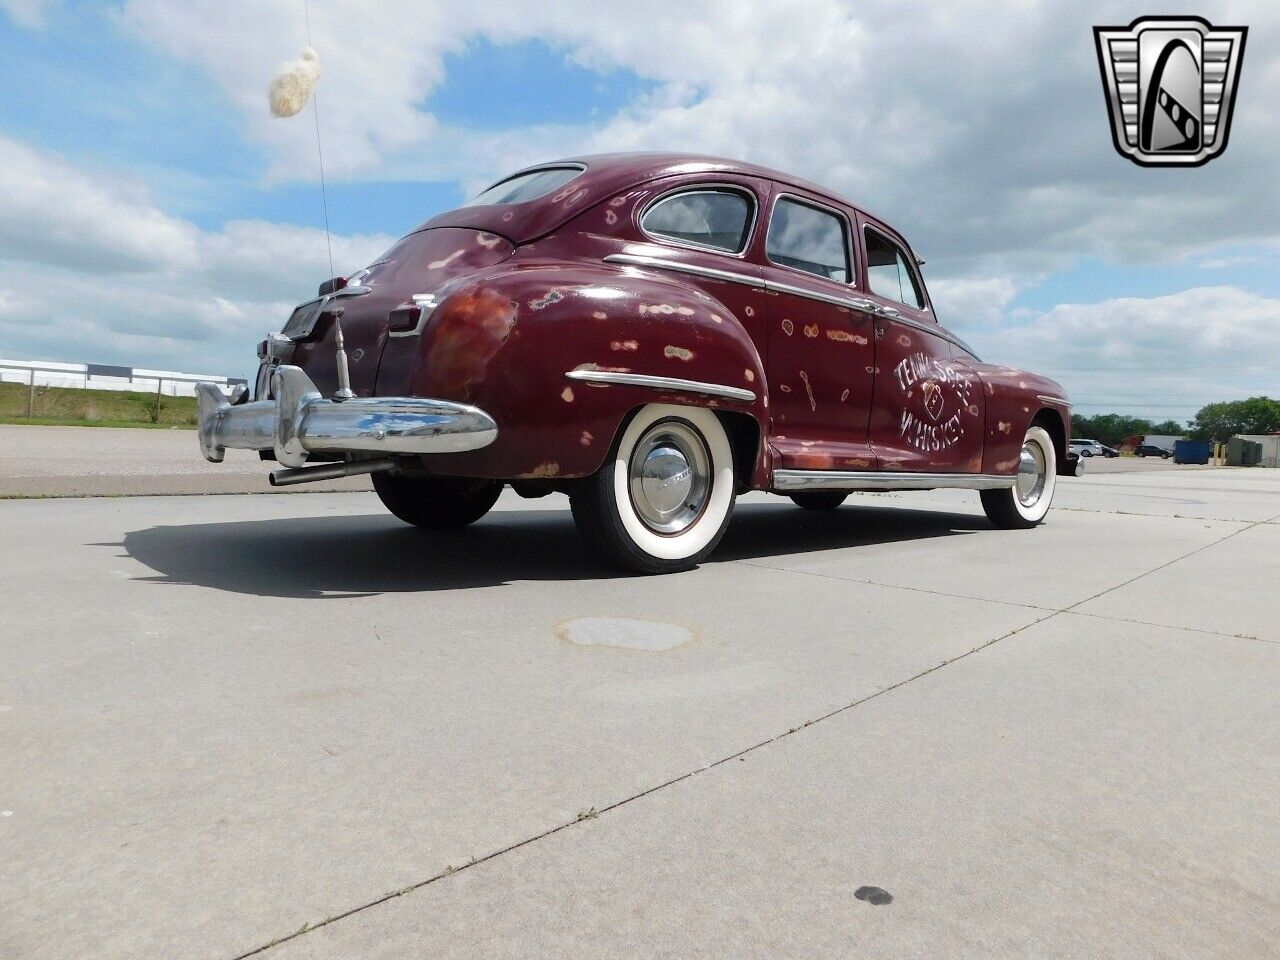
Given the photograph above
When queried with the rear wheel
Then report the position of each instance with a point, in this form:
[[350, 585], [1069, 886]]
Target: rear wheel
[[436, 503], [1025, 504], [820, 499], [663, 499]]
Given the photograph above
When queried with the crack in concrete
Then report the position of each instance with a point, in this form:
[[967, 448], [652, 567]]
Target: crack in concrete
[[1051, 613]]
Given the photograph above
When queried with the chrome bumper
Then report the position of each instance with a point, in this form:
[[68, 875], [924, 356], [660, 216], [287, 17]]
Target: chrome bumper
[[300, 422]]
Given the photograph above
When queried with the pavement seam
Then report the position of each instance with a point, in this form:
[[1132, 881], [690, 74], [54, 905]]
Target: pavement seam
[[597, 812], [898, 586], [1169, 563]]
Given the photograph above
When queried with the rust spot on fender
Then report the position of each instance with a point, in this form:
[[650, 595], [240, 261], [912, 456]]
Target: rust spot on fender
[[474, 326], [586, 438], [810, 330], [548, 298], [845, 395], [624, 345], [750, 375], [904, 340], [610, 217], [567, 394], [599, 315], [677, 353], [548, 468], [1004, 427], [788, 327], [664, 310], [488, 240], [749, 311]]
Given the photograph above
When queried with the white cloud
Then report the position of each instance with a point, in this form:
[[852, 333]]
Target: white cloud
[[29, 13], [1162, 356], [91, 269], [978, 128]]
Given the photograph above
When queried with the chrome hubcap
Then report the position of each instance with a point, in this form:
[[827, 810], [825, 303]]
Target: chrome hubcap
[[1032, 474], [670, 477]]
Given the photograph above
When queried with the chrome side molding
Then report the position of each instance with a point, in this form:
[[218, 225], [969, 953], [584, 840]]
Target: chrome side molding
[[886, 480], [712, 273], [662, 383]]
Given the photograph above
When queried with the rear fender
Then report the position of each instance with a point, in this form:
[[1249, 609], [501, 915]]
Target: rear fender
[[548, 350]]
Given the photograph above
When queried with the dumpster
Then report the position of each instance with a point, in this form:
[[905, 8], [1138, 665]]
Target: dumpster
[[1191, 451], [1236, 452]]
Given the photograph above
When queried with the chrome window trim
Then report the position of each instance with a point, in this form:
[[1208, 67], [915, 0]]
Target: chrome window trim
[[642, 260], [662, 383], [909, 257], [710, 187], [850, 251], [886, 480], [1061, 400]]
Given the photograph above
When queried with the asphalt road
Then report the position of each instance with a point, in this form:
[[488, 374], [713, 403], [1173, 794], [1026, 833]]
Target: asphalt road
[[892, 731]]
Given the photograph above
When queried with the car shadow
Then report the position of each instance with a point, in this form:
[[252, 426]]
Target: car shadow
[[367, 554]]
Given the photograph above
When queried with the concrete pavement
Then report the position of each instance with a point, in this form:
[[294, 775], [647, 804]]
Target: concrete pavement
[[227, 719]]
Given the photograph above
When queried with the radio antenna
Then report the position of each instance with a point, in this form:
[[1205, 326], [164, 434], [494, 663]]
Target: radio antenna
[[315, 111]]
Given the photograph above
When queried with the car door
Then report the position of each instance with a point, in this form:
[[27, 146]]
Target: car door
[[820, 359], [927, 406]]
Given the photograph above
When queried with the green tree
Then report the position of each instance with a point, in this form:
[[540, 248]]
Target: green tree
[[1221, 421], [1168, 428]]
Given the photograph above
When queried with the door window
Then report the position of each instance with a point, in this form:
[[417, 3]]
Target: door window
[[809, 239], [889, 272]]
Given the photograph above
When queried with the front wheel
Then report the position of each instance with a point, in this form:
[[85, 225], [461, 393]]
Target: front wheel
[[1025, 504], [663, 499], [436, 503]]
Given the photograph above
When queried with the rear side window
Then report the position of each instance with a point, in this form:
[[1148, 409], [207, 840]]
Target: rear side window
[[808, 239], [889, 273], [525, 186], [719, 219]]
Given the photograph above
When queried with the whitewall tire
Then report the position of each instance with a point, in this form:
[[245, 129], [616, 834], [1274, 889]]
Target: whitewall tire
[[662, 500], [1025, 504]]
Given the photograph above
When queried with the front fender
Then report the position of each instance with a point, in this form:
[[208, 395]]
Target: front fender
[[1014, 399], [508, 342]]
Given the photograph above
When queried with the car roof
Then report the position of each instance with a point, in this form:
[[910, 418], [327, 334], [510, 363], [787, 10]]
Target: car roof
[[605, 175]]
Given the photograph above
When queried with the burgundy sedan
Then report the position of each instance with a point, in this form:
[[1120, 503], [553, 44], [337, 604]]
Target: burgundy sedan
[[651, 334]]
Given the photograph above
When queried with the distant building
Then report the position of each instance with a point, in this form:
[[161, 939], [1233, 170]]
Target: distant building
[[1270, 443], [1162, 440], [98, 376]]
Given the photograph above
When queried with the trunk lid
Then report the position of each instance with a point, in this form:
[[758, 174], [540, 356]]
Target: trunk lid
[[419, 263]]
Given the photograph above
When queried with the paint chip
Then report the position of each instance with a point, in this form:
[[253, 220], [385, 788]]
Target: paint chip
[[811, 330], [750, 375], [567, 394], [788, 327], [677, 353], [624, 633]]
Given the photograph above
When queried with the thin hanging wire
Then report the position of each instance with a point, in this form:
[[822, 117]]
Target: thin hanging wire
[[315, 110]]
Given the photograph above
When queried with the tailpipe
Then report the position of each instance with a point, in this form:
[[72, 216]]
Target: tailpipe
[[329, 471]]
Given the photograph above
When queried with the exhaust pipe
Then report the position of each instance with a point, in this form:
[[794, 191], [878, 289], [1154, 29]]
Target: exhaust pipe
[[329, 471]]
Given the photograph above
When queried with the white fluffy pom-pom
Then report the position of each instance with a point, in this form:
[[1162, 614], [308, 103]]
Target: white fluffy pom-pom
[[292, 86]]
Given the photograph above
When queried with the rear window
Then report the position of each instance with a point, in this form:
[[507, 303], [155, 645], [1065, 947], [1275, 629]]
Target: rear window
[[525, 186]]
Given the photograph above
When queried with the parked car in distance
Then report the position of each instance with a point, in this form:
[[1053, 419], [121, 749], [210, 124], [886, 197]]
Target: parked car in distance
[[1088, 448], [651, 334], [1151, 450]]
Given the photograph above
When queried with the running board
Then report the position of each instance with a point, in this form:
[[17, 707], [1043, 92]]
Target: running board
[[786, 480]]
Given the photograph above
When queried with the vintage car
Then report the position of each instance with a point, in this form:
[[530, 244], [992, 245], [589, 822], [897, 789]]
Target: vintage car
[[651, 334]]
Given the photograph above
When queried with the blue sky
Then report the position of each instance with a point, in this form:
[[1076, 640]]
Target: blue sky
[[152, 114]]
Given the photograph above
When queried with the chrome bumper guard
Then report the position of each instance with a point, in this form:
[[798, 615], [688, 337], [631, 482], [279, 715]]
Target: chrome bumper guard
[[300, 422]]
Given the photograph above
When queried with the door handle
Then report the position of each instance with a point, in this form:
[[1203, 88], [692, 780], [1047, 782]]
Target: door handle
[[890, 312]]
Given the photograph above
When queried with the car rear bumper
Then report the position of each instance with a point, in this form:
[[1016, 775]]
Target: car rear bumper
[[300, 422]]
